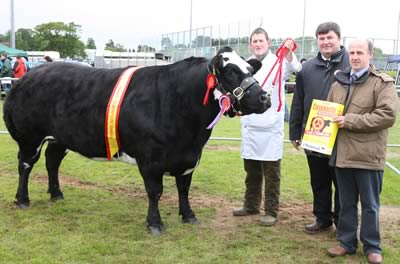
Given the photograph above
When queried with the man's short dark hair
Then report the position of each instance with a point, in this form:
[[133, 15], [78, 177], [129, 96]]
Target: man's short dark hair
[[326, 27], [259, 30]]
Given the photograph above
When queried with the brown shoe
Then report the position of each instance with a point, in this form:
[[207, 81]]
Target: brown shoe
[[337, 251], [375, 258], [316, 228], [268, 220], [244, 212]]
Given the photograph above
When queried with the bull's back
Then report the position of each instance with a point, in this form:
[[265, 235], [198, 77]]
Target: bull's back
[[61, 100]]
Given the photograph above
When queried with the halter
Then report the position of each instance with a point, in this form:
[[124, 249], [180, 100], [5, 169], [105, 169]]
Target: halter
[[226, 100]]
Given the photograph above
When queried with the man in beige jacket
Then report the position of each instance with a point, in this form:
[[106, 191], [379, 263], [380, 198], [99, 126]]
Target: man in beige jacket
[[371, 103]]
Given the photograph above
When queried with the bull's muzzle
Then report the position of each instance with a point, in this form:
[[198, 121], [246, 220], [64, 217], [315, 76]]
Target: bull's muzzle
[[265, 99]]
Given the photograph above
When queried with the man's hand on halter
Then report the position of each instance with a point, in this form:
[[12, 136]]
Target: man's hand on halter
[[289, 44]]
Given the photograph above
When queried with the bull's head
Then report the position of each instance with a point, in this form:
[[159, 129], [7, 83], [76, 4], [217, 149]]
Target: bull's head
[[235, 78]]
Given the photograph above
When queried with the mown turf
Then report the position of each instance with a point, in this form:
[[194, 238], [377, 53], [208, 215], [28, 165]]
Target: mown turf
[[102, 219]]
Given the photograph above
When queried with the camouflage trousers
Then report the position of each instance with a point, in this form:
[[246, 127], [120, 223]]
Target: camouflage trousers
[[256, 171]]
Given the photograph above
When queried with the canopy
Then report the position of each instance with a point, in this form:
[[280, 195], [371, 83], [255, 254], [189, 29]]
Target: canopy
[[393, 59], [12, 52]]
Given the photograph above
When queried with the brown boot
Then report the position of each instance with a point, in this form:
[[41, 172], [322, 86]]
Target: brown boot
[[243, 212], [268, 220], [337, 251]]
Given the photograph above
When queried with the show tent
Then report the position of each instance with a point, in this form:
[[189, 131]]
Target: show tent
[[12, 52]]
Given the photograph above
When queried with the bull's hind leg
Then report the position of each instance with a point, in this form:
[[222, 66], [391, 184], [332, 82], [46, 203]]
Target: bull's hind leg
[[54, 155], [27, 157], [183, 184], [154, 189]]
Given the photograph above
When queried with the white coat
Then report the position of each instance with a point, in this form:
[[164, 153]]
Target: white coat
[[262, 134]]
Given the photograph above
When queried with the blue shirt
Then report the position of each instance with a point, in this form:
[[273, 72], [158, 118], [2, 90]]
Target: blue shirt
[[359, 73]]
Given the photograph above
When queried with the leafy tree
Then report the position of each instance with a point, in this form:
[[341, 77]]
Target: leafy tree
[[378, 52], [145, 48], [166, 43], [60, 37], [115, 47], [201, 41], [90, 44], [5, 38], [25, 39]]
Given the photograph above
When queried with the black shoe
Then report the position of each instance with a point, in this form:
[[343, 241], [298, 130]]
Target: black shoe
[[316, 228]]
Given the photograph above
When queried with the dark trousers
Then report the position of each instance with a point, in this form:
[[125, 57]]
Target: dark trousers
[[322, 176], [255, 172], [366, 185]]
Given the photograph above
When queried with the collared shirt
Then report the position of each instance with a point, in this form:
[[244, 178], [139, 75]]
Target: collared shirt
[[358, 73], [325, 59]]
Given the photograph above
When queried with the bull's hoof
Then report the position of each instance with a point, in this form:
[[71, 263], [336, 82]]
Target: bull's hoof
[[156, 230], [22, 205], [191, 220]]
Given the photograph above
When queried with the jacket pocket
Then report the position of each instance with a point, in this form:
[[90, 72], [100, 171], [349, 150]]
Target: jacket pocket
[[362, 147], [361, 105]]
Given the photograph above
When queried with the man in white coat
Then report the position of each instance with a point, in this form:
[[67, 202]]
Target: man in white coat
[[262, 134]]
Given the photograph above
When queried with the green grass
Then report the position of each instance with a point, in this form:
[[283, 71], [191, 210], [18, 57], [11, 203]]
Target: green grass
[[102, 217]]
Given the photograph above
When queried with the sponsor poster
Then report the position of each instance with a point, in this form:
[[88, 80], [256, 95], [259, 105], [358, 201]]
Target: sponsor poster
[[320, 132]]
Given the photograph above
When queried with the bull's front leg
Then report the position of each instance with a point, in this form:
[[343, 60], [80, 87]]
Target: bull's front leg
[[183, 184], [154, 189]]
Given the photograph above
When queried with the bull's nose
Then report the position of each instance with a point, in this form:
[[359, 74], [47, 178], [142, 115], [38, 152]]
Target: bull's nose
[[265, 99]]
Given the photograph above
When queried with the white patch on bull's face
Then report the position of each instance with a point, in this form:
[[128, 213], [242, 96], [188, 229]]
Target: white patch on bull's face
[[217, 94], [233, 58]]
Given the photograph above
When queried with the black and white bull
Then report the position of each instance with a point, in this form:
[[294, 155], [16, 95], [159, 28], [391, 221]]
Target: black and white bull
[[162, 126]]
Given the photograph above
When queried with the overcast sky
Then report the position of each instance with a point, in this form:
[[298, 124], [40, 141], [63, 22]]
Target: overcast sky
[[131, 22]]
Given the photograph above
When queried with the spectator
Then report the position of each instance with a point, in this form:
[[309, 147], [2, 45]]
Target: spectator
[[19, 68], [262, 134], [6, 70], [48, 58], [359, 153], [313, 82]]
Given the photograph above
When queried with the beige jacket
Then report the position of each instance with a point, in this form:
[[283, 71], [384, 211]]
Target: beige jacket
[[369, 111]]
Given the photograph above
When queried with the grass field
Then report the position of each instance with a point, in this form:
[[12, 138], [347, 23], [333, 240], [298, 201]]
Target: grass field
[[102, 217]]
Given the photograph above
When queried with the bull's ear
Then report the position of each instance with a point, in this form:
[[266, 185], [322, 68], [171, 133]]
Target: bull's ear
[[255, 64], [216, 63]]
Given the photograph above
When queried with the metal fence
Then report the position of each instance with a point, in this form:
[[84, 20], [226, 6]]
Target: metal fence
[[206, 41]]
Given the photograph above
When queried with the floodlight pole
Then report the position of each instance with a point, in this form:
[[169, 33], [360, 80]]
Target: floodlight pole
[[190, 28], [12, 30], [304, 26], [397, 38]]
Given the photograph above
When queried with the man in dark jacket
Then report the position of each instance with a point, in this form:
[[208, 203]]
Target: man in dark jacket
[[313, 82], [6, 70]]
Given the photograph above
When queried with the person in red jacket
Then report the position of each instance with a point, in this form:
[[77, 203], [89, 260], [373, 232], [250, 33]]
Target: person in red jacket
[[19, 68]]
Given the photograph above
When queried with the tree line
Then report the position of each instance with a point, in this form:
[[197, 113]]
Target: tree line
[[61, 37]]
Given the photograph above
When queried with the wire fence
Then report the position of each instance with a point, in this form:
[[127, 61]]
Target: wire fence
[[206, 41]]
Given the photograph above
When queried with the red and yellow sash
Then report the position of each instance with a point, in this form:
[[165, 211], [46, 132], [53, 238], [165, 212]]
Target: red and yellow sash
[[113, 109]]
